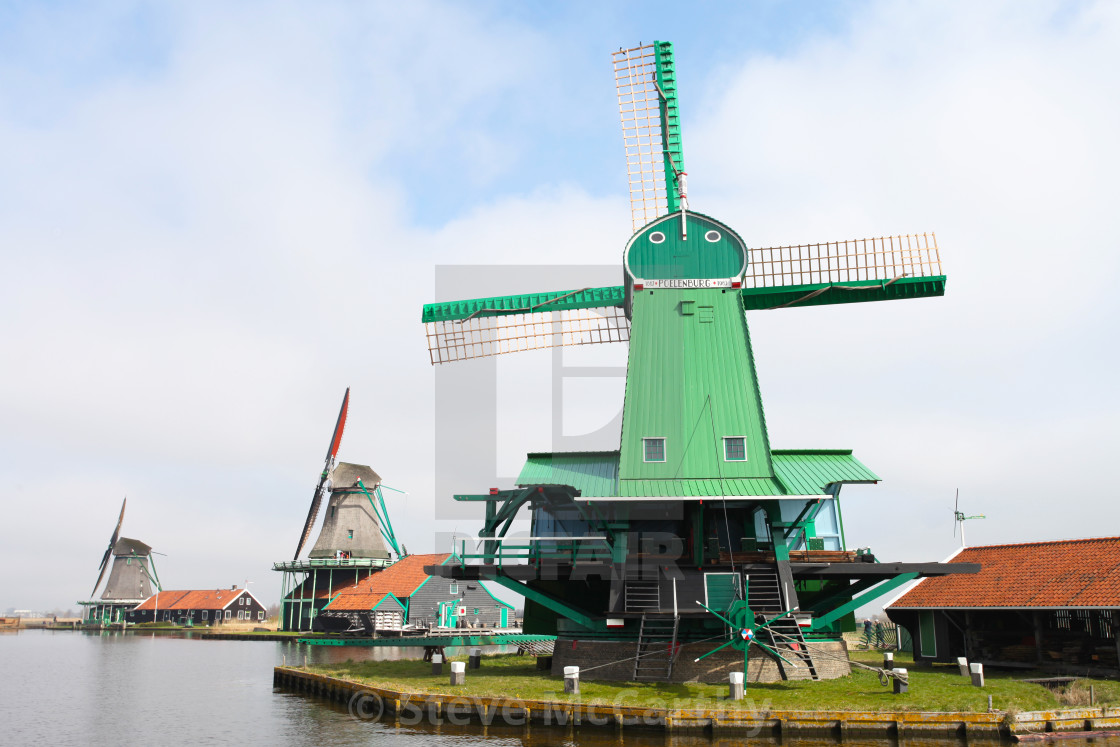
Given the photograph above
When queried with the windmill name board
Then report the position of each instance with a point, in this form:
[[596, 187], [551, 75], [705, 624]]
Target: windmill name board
[[683, 283]]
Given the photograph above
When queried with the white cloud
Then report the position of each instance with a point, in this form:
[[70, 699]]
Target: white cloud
[[205, 245]]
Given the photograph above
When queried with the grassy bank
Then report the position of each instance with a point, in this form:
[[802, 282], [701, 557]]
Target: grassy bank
[[936, 688]]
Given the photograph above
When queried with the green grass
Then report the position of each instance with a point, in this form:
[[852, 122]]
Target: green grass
[[936, 688]]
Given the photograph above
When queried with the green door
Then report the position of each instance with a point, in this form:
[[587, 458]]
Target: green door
[[721, 589], [927, 634], [504, 617]]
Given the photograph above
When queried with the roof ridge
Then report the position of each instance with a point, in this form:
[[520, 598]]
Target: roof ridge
[[1043, 542]]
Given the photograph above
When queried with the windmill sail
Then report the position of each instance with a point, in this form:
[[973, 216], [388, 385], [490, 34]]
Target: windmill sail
[[645, 77], [320, 489], [476, 328], [844, 272], [109, 550]]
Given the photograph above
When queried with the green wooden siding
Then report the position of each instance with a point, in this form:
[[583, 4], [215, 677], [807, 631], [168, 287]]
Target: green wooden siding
[[692, 383], [677, 257]]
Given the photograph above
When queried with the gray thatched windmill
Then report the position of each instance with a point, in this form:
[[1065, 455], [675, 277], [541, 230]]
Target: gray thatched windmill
[[131, 578]]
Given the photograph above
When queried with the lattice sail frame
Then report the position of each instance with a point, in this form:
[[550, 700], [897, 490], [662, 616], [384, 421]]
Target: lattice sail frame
[[815, 268], [483, 336], [639, 106], [884, 258]]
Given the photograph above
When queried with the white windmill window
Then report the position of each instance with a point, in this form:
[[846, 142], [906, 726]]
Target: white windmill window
[[712, 236], [653, 449], [735, 449], [454, 589], [656, 237]]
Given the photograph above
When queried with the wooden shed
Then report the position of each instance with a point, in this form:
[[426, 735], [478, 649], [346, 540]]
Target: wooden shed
[[405, 596], [1049, 605]]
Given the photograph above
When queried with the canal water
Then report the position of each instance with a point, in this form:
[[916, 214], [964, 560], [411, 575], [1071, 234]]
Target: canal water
[[73, 688]]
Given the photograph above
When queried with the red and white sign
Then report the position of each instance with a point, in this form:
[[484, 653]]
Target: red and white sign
[[686, 283]]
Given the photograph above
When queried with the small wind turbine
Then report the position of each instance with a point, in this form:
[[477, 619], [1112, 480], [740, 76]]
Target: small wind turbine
[[959, 518]]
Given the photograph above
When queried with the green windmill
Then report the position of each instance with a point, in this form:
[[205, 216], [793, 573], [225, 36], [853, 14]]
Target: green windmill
[[694, 461]]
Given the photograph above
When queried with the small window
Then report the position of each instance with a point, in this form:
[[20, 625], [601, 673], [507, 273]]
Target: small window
[[712, 236], [205, 613], [735, 449], [654, 449], [476, 610], [349, 534], [260, 615], [707, 314], [229, 614], [657, 237], [454, 589]]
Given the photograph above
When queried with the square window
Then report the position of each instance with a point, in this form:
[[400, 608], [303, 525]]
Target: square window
[[654, 449], [735, 449], [707, 314]]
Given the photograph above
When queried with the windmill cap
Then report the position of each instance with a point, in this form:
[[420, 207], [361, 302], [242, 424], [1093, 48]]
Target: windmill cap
[[346, 475], [126, 546]]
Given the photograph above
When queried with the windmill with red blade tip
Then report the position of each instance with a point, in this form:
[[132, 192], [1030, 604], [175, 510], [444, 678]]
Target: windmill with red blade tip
[[320, 489]]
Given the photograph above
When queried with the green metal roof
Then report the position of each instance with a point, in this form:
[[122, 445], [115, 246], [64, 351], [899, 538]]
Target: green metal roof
[[762, 486], [586, 298], [808, 471], [593, 473]]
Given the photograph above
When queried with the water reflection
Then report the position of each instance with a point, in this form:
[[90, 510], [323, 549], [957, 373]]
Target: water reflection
[[112, 688]]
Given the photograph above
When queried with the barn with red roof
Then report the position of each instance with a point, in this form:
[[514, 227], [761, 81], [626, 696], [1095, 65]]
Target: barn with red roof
[[199, 607], [405, 596], [1051, 605]]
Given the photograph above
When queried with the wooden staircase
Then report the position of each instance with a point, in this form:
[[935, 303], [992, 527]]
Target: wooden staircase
[[642, 596], [764, 596], [657, 646]]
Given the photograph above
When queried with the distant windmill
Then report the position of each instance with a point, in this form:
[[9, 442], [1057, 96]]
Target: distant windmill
[[132, 577], [959, 518]]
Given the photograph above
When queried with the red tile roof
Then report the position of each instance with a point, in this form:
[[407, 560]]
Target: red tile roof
[[1067, 573], [200, 599], [400, 579]]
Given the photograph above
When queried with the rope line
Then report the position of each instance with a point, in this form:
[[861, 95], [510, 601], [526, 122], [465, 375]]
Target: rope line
[[817, 292], [527, 309]]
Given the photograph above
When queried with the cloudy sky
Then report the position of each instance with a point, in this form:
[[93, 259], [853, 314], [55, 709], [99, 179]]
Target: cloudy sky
[[214, 217]]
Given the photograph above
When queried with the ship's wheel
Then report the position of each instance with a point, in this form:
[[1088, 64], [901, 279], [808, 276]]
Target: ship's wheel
[[746, 626]]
